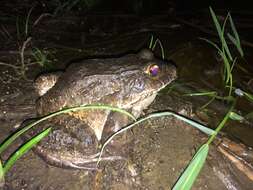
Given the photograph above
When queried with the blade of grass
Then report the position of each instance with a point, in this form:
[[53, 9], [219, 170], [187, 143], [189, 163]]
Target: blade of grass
[[27, 21], [235, 116], [249, 96], [216, 22], [1, 175], [23, 149], [236, 35], [233, 28], [151, 42], [227, 67], [160, 45], [206, 104], [7, 142], [238, 46], [160, 114], [220, 32], [223, 40], [188, 177], [212, 43], [222, 123], [211, 94]]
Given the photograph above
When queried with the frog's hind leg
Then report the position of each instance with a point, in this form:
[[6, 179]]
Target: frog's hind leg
[[46, 81]]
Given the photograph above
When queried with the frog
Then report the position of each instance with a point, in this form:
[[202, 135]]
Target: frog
[[130, 82]]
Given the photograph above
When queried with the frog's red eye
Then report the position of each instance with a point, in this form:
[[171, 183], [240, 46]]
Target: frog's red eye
[[153, 70]]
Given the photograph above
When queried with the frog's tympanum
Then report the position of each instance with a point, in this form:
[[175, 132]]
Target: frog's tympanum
[[130, 82]]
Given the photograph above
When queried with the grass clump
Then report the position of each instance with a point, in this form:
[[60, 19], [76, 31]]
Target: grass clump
[[24, 39], [229, 62], [153, 43], [224, 52]]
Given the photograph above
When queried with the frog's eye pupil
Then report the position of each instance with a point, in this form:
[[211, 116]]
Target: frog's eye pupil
[[153, 70]]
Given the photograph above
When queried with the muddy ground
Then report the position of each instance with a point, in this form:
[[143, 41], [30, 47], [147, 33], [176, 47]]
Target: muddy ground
[[161, 148]]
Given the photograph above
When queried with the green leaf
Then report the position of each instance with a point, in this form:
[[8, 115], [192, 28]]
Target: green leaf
[[223, 40], [221, 32], [212, 43], [210, 94], [1, 175], [161, 47], [189, 176], [236, 35], [237, 45], [232, 39], [222, 123], [227, 68], [249, 96], [216, 22], [195, 124], [23, 149], [151, 42], [236, 116]]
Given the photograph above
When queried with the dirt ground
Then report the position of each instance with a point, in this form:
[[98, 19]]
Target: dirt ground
[[161, 150]]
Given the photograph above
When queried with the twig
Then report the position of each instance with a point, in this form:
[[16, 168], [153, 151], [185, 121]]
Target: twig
[[41, 17], [22, 59], [9, 65]]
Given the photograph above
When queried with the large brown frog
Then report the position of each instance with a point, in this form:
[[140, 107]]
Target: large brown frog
[[130, 82]]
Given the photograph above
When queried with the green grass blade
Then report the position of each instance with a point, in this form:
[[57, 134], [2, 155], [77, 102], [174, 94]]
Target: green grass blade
[[212, 43], [223, 40], [210, 94], [230, 84], [216, 22], [222, 123], [23, 149], [187, 179], [220, 32], [206, 104], [232, 39], [235, 116], [9, 141], [154, 115], [233, 28], [151, 42], [227, 68], [235, 42], [1, 175], [161, 47], [249, 96], [236, 35]]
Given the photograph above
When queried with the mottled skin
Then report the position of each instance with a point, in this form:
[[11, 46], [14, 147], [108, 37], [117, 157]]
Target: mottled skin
[[124, 82]]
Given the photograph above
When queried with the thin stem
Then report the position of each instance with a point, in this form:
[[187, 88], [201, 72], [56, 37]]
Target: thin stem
[[9, 65], [222, 123]]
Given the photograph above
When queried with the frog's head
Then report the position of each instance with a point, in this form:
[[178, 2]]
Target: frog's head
[[143, 79]]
